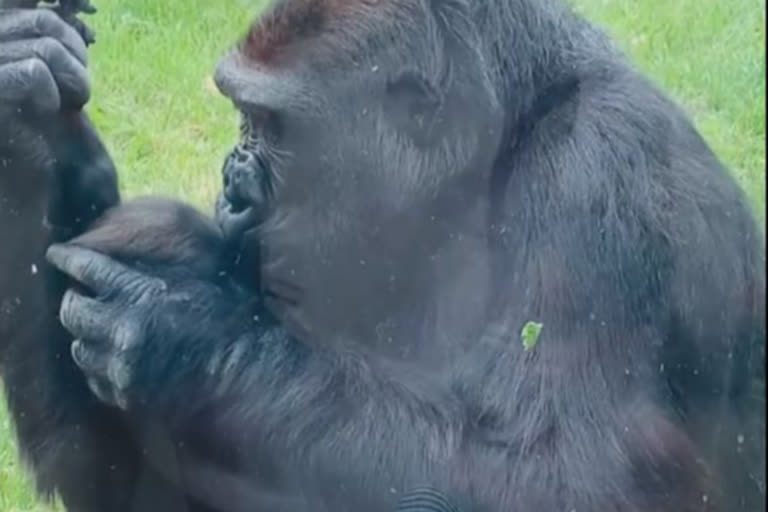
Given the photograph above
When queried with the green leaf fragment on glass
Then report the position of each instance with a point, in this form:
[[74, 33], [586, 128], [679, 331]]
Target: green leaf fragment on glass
[[530, 334]]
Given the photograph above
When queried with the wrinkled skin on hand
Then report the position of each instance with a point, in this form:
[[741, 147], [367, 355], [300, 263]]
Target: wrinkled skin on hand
[[44, 85], [125, 309], [42, 64], [67, 9]]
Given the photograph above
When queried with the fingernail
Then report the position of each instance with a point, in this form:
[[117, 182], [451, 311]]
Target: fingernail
[[76, 350], [56, 254]]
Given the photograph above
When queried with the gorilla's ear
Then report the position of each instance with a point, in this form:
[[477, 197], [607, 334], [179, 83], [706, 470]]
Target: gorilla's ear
[[412, 105]]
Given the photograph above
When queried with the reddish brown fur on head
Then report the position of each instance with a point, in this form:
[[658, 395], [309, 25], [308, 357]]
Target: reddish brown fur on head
[[295, 21]]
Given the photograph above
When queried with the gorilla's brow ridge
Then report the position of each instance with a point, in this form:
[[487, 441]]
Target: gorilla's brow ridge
[[291, 21]]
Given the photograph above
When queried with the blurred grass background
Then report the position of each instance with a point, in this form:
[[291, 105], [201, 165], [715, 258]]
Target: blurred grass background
[[168, 129]]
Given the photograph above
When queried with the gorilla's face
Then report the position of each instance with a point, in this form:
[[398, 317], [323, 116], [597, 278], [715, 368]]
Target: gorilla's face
[[357, 172]]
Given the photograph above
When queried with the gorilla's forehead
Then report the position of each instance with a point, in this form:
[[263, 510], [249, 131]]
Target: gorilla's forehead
[[290, 22]]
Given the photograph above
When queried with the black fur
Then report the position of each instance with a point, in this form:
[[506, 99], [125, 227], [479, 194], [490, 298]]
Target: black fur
[[550, 182], [56, 183], [87, 453], [556, 184]]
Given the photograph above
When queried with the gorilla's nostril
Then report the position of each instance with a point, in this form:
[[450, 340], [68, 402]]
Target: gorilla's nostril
[[244, 178], [242, 156]]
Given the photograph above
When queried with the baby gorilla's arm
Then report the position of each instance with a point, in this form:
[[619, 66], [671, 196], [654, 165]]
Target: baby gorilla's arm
[[169, 239]]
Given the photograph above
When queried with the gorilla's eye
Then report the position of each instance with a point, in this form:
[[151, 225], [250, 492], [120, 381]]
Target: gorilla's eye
[[414, 93], [411, 104], [259, 126]]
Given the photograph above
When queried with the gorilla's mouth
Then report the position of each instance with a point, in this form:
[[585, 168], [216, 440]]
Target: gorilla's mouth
[[235, 218]]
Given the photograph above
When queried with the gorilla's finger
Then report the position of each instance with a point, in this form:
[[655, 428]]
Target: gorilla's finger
[[106, 393], [16, 24], [70, 76], [106, 366], [99, 273], [86, 318], [29, 80], [75, 6], [86, 33], [89, 359]]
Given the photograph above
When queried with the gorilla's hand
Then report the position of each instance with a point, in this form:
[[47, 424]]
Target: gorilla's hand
[[43, 86], [129, 333], [42, 64], [76, 6], [69, 9]]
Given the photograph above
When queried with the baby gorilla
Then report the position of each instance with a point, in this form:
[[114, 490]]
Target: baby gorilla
[[173, 240], [167, 237], [177, 244]]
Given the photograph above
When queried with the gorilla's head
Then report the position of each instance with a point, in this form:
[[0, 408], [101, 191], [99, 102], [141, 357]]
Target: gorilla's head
[[367, 137]]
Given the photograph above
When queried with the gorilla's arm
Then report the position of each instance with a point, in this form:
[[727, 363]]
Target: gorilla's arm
[[255, 391], [55, 174], [55, 169]]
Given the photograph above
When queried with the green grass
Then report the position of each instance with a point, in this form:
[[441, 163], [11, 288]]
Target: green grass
[[168, 129]]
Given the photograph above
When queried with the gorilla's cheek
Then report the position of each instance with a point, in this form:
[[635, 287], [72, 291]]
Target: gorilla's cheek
[[314, 270]]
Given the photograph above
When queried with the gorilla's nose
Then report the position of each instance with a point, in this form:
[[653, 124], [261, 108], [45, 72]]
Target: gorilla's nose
[[243, 179]]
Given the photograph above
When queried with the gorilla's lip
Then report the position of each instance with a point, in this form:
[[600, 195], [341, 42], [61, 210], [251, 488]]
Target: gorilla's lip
[[235, 222]]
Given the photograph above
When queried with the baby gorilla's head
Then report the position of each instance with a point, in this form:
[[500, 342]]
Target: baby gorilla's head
[[161, 236]]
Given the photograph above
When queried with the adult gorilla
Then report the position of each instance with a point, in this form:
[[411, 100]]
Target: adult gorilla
[[426, 177]]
